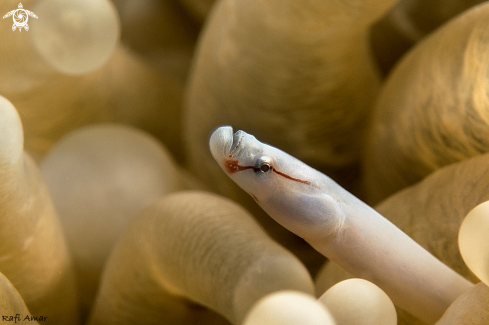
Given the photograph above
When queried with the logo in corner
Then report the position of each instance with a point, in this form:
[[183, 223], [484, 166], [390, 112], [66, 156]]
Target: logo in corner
[[20, 17]]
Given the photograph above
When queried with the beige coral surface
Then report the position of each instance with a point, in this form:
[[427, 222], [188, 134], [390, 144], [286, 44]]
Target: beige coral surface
[[331, 82]]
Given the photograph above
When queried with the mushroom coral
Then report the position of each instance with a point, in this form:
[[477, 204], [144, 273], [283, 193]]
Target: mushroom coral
[[193, 246], [100, 177], [33, 251], [432, 110]]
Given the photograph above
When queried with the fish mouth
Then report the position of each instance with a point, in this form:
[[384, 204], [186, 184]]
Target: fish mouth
[[221, 142], [235, 147], [224, 144]]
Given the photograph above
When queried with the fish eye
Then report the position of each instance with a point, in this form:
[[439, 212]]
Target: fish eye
[[265, 168], [263, 165]]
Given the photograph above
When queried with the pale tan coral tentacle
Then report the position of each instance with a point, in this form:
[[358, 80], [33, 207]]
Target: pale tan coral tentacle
[[296, 74], [123, 88], [72, 37], [126, 90], [289, 308], [100, 177], [12, 306], [77, 36], [196, 246], [33, 252], [432, 211], [472, 241], [199, 9], [170, 44], [408, 22], [471, 308], [338, 224], [359, 302], [330, 274], [432, 110]]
